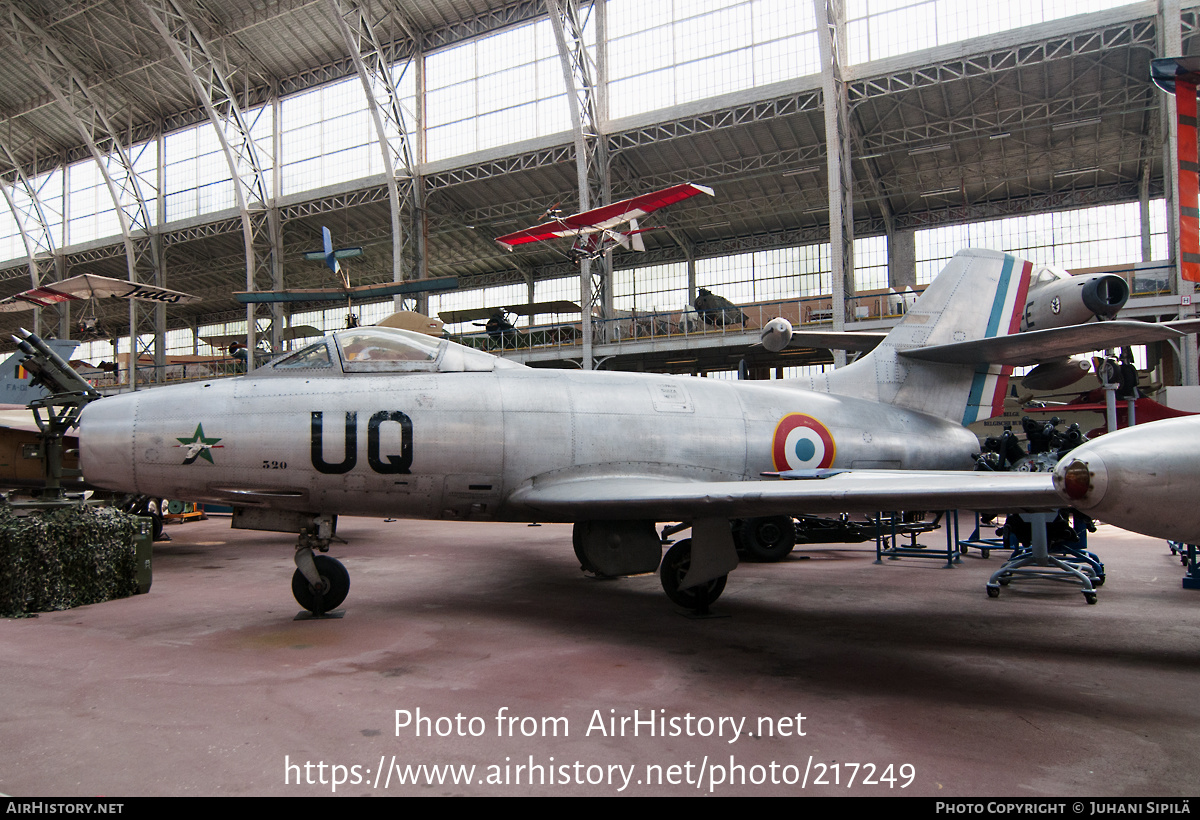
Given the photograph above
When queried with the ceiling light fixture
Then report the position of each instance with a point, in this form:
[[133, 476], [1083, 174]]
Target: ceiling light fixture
[[1064, 126]]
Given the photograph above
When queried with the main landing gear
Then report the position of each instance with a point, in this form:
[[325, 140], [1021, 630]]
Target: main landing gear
[[675, 565], [766, 540]]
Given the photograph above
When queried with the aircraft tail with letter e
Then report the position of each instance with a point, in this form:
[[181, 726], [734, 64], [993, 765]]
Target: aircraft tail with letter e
[[979, 295]]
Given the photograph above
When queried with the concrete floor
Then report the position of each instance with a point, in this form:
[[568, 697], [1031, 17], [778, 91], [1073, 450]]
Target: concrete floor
[[207, 685]]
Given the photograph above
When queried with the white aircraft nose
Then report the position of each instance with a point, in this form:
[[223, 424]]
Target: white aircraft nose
[[1141, 478], [1082, 478], [106, 436], [776, 334]]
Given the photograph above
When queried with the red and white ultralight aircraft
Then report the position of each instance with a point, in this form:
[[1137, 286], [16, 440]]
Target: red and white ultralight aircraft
[[595, 231]]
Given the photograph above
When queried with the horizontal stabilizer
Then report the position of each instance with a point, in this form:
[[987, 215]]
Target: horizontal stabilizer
[[837, 340], [1036, 346]]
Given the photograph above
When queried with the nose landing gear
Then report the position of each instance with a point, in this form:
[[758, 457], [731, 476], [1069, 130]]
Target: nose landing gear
[[320, 583], [330, 588]]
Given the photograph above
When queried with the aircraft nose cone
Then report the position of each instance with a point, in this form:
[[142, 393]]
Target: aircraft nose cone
[[1082, 479], [1141, 479], [106, 433]]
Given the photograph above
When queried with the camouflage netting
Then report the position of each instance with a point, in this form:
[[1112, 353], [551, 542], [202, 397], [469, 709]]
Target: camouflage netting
[[65, 558]]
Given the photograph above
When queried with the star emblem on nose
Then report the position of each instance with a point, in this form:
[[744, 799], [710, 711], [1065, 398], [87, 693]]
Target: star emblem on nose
[[198, 446]]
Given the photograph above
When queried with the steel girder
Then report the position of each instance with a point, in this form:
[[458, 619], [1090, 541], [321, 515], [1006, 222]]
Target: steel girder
[[29, 210], [1125, 100], [65, 83], [831, 38], [1122, 34], [405, 187], [211, 76], [591, 154]]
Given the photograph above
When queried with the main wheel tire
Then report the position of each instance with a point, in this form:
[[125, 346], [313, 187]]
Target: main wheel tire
[[336, 583], [767, 539], [672, 571], [585, 563]]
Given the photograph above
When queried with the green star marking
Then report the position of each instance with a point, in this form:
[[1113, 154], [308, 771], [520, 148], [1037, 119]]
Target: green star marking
[[198, 446]]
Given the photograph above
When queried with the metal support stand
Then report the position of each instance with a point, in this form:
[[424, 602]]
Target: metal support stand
[[1187, 554], [1069, 561], [984, 545], [889, 529]]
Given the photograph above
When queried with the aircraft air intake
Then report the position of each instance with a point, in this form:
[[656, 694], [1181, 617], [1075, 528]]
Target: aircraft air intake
[[1106, 295]]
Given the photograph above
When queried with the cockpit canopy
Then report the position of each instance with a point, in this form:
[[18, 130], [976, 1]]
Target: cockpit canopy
[[388, 350]]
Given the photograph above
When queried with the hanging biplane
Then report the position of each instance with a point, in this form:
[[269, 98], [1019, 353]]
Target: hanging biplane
[[595, 231]]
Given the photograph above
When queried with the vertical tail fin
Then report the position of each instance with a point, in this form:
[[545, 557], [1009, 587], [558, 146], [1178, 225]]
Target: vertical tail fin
[[327, 244], [978, 295]]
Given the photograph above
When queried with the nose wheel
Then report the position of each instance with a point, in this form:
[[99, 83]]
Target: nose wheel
[[331, 589]]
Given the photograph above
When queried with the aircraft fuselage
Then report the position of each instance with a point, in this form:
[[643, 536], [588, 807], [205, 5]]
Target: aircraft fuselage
[[457, 445]]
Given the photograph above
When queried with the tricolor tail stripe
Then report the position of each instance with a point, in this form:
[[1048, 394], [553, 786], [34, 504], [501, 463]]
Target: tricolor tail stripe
[[991, 381]]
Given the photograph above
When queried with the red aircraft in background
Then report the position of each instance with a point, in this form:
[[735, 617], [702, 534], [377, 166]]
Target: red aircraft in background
[[595, 231]]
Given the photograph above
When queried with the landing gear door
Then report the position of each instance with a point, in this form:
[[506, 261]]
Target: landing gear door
[[713, 551]]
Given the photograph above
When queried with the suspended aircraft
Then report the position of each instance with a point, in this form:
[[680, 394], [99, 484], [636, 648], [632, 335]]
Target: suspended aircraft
[[595, 231], [92, 287], [383, 422], [332, 258], [501, 332]]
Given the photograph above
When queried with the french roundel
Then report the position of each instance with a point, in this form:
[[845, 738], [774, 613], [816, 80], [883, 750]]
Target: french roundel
[[802, 443]]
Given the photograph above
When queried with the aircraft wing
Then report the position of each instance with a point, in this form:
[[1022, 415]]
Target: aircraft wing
[[536, 309], [92, 286], [1036, 346], [339, 293], [852, 491], [604, 217]]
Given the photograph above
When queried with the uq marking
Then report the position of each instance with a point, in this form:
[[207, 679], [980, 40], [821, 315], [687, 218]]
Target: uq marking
[[385, 464]]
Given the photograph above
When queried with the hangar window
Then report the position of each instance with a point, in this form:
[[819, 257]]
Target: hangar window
[[650, 288], [90, 210], [48, 188], [884, 28], [495, 91], [195, 172], [1081, 238], [707, 47], [327, 136]]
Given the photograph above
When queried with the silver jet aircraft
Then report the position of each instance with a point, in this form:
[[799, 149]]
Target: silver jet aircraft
[[389, 423]]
